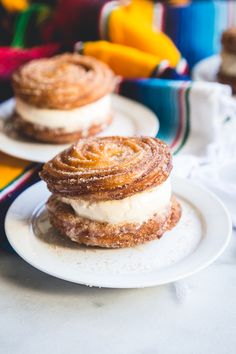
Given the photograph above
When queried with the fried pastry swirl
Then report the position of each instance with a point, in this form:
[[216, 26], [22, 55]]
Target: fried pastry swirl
[[108, 168], [64, 82]]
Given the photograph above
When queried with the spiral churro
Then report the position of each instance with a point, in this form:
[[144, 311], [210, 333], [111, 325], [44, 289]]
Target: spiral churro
[[112, 191], [63, 98]]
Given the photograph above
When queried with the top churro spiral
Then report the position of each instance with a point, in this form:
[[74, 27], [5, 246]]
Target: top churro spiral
[[108, 168], [63, 82]]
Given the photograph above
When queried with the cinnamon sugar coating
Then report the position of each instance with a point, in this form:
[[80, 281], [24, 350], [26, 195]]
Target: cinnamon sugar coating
[[107, 168], [94, 233], [63, 82]]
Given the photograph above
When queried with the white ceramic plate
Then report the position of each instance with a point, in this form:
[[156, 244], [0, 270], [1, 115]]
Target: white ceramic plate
[[130, 118], [200, 237], [207, 69]]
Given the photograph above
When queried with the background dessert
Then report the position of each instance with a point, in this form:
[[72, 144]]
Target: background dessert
[[112, 191], [227, 73], [63, 98]]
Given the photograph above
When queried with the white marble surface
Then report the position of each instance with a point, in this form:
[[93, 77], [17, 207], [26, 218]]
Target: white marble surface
[[42, 314]]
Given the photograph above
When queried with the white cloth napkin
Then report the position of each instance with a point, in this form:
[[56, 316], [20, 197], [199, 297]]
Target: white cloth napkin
[[210, 106], [212, 162], [209, 156], [217, 169]]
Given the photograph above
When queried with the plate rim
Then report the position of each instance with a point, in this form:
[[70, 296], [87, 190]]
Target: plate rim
[[105, 284], [116, 98]]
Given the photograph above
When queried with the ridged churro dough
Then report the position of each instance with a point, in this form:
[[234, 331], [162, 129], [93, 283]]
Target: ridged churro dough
[[107, 168], [63, 82]]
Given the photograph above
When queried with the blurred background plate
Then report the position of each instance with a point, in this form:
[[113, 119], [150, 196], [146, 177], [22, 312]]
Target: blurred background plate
[[129, 118]]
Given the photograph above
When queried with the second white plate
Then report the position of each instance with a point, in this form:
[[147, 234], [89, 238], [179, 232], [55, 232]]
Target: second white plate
[[130, 118]]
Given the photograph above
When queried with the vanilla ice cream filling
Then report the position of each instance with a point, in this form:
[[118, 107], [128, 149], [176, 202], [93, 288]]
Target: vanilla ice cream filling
[[71, 120], [228, 64], [138, 208]]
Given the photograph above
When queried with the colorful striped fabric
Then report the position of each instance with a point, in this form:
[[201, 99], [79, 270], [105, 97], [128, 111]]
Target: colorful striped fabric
[[14, 173], [169, 100], [189, 112], [15, 176]]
